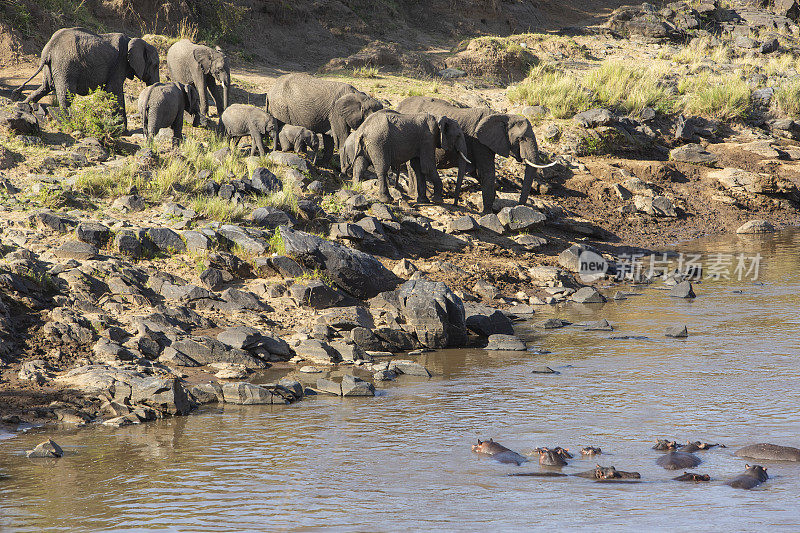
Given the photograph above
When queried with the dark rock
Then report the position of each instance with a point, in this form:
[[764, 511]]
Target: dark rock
[[770, 46], [226, 191], [587, 295], [348, 318], [239, 300], [594, 118], [286, 266], [356, 272], [345, 230], [130, 203], [486, 321], [45, 449], [693, 153], [520, 217], [270, 217], [317, 351], [408, 368], [367, 340], [20, 122], [214, 278], [434, 312], [206, 350], [240, 238], [264, 181], [93, 233], [243, 393], [353, 386], [52, 221], [329, 386], [128, 243], [461, 224], [396, 339], [196, 241], [166, 240], [315, 294]]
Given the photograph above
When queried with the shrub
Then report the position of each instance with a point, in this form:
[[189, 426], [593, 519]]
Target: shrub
[[560, 92], [96, 115]]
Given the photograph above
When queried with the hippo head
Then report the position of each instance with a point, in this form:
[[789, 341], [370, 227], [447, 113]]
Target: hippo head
[[665, 445], [548, 457], [488, 447], [757, 471], [590, 450], [605, 472], [563, 452]]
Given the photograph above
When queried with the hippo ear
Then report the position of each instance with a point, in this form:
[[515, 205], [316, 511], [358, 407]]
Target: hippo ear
[[479, 442]]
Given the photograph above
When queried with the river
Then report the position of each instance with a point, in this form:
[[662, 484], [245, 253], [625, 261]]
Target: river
[[402, 460]]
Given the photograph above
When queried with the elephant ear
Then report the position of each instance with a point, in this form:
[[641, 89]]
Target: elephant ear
[[518, 129], [492, 132], [204, 59], [137, 58]]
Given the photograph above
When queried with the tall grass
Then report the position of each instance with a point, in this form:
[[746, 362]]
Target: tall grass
[[557, 91], [617, 84], [787, 98], [723, 97]]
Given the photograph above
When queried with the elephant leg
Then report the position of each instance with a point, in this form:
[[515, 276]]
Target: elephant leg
[[459, 181], [382, 170], [327, 151], [256, 142], [200, 85], [420, 184], [45, 88], [527, 182], [177, 128], [412, 182], [359, 167], [216, 92], [487, 179], [120, 94]]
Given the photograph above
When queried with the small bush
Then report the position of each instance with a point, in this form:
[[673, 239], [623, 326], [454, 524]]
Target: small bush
[[276, 245], [366, 72], [96, 115], [787, 98], [219, 209], [559, 92], [721, 97], [616, 84]]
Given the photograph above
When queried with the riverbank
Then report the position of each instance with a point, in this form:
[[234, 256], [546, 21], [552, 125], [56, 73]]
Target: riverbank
[[135, 278]]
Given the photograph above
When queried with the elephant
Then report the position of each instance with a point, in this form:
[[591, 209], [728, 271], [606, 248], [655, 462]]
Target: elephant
[[299, 139], [487, 133], [77, 60], [204, 67], [162, 105], [389, 139], [239, 120], [323, 106]]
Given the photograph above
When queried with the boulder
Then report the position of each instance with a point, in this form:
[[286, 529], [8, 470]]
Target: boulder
[[270, 217], [355, 272], [594, 118], [353, 386], [93, 233], [409, 368], [657, 206], [434, 312], [491, 223], [317, 352], [520, 217], [485, 321], [461, 224], [264, 181], [45, 449], [329, 386], [196, 242], [345, 230], [682, 290], [755, 226], [500, 342], [166, 240], [240, 238], [693, 153], [288, 159], [206, 350], [677, 332], [315, 294], [347, 318], [78, 250], [587, 295], [130, 203], [243, 393]]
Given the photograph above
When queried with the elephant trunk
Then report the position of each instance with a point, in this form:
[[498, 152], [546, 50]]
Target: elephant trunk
[[225, 88]]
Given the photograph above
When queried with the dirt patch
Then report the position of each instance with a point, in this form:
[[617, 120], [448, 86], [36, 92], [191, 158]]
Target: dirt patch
[[499, 60], [386, 57]]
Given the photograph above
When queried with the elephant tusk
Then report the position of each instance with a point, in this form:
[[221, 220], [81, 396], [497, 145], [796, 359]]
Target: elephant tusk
[[534, 165], [465, 158]]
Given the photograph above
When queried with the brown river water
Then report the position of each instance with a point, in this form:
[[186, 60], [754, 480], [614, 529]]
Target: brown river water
[[402, 461]]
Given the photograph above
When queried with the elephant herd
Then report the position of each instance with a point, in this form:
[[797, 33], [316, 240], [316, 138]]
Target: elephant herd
[[424, 134]]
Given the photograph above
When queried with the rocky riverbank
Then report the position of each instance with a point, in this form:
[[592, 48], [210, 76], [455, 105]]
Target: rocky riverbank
[[142, 281]]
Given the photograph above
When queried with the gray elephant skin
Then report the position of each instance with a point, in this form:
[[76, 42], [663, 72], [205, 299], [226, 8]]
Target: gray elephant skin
[[77, 60], [298, 139], [240, 120], [487, 134], [162, 106], [204, 67], [389, 139], [331, 108]]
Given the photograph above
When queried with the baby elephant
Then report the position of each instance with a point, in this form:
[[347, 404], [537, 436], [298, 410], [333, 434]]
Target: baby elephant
[[298, 139], [162, 105], [240, 120]]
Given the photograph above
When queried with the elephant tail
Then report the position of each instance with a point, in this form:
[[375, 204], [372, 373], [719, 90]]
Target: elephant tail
[[42, 64]]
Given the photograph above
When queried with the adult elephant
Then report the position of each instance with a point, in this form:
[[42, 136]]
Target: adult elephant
[[77, 60], [331, 108], [204, 67], [389, 139], [487, 133]]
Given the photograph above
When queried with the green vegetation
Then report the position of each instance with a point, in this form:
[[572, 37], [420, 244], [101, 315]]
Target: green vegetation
[[216, 208], [220, 20], [787, 98], [285, 200], [724, 97], [95, 115], [366, 72], [630, 89], [557, 91], [276, 245]]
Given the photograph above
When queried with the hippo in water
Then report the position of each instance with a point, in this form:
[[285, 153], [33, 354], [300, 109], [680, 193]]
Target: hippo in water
[[553, 457], [590, 451], [498, 452], [691, 476], [664, 445], [753, 476], [608, 473], [698, 446], [769, 452], [678, 460]]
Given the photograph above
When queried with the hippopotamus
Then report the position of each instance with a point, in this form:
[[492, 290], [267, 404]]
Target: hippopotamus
[[753, 476], [608, 473], [591, 450], [769, 452], [664, 445], [678, 460], [697, 446], [538, 474], [555, 457], [691, 476], [498, 452]]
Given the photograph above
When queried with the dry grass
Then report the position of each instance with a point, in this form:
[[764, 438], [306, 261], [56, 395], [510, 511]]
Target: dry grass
[[631, 89], [557, 91], [787, 98], [723, 97]]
